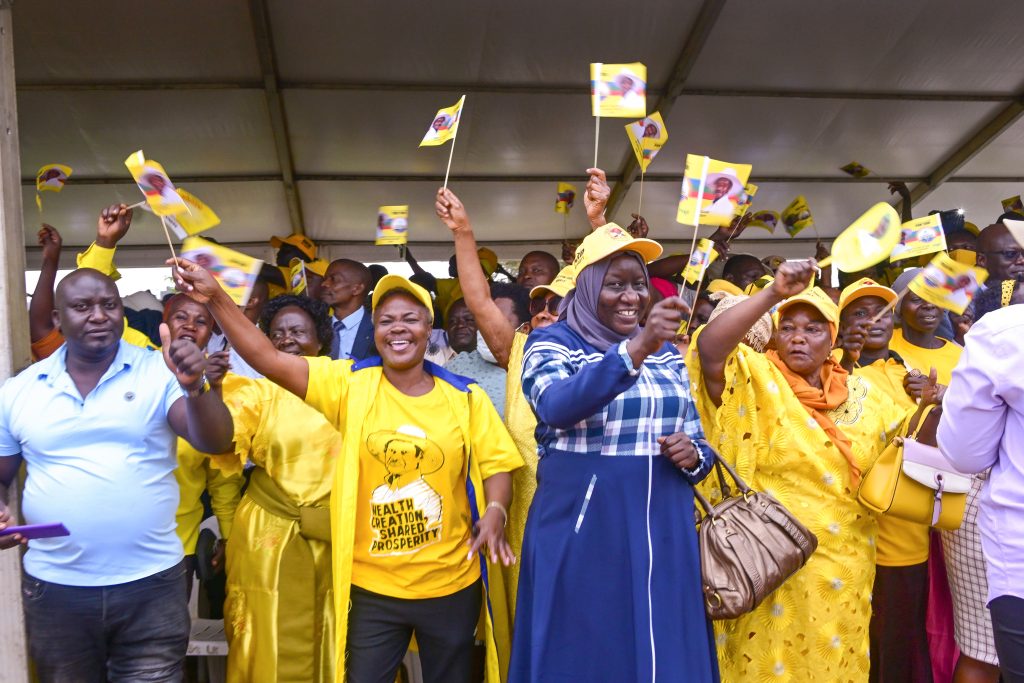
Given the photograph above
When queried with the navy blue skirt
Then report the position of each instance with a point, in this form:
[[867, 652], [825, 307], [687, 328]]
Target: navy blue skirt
[[592, 605]]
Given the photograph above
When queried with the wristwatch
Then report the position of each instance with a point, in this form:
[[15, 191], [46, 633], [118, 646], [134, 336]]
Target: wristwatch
[[197, 391]]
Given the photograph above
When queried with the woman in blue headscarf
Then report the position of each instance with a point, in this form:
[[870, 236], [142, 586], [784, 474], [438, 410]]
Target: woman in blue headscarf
[[609, 587]]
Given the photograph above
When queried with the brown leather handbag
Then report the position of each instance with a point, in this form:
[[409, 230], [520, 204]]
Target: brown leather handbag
[[749, 545]]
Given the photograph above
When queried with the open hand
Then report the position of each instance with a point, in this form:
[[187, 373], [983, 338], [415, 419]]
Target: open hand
[[489, 533], [112, 225]]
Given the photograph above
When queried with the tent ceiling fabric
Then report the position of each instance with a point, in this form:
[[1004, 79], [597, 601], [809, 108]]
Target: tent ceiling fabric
[[191, 95]]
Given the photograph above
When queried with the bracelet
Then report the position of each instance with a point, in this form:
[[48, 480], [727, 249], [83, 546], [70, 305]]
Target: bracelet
[[498, 506], [197, 391]]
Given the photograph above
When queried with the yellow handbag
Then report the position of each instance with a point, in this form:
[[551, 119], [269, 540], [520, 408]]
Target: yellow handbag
[[915, 482]]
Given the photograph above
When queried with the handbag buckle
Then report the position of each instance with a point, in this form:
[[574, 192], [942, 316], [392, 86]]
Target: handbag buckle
[[714, 594], [940, 482]]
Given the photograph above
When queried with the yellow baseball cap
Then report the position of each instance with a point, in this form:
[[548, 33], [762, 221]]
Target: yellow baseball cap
[[720, 285], [866, 287], [488, 260], [563, 283], [816, 297], [300, 242], [612, 239], [318, 266], [391, 282]]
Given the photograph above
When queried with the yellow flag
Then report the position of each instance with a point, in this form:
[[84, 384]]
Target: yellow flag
[[719, 184], [565, 198], [796, 217], [51, 178], [948, 284], [618, 90], [393, 225], [160, 193], [198, 218], [855, 169], [297, 276], [868, 241], [1013, 203], [766, 220], [445, 125], [647, 136], [919, 237], [703, 256], [236, 272], [746, 197]]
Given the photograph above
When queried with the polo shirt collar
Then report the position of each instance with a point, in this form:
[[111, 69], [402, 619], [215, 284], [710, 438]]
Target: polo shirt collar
[[55, 366]]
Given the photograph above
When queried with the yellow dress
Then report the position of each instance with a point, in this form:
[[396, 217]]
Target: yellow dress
[[815, 626], [521, 424], [279, 613]]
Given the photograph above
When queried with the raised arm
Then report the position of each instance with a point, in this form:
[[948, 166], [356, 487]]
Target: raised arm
[[40, 309], [495, 328], [291, 372], [900, 188], [595, 198], [722, 335], [423, 278]]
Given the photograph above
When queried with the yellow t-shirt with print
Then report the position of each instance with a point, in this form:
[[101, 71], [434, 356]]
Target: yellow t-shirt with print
[[943, 359], [412, 523]]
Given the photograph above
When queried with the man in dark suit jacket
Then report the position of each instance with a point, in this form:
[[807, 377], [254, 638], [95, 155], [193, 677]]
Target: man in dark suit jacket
[[345, 288]]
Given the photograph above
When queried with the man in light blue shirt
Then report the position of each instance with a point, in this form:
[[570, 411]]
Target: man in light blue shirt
[[345, 287], [96, 425]]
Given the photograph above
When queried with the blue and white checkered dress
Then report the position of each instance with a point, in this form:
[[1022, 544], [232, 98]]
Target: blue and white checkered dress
[[592, 402]]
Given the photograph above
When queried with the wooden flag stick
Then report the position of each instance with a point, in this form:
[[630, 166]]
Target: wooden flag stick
[[170, 244], [138, 205], [888, 307], [597, 136], [451, 153], [640, 204], [685, 328]]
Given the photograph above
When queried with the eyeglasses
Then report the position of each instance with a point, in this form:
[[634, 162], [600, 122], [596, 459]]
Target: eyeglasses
[[1011, 255], [538, 305]]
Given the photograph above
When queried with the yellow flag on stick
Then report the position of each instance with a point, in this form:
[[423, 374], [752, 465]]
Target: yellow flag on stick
[[51, 178], [236, 272], [703, 256], [565, 198], [797, 216], [766, 220], [867, 241], [618, 90], [445, 125], [856, 170], [919, 237], [948, 284], [393, 225], [718, 184], [745, 199], [647, 136], [1013, 203], [297, 276], [160, 193], [197, 219]]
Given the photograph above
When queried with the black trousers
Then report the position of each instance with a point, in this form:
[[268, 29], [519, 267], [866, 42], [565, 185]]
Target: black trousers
[[899, 610], [1008, 627], [380, 628]]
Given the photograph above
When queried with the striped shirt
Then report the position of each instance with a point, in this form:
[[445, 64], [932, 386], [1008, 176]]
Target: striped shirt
[[592, 402]]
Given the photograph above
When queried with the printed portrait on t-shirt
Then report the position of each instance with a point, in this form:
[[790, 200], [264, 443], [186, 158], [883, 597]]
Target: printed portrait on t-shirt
[[405, 509]]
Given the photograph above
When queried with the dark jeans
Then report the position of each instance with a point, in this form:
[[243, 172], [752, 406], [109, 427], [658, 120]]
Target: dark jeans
[[380, 627], [899, 610], [1008, 627], [135, 631]]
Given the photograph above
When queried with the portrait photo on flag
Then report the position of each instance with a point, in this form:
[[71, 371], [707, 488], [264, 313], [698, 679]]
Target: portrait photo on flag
[[52, 177], [618, 90], [948, 284], [392, 225], [565, 197], [445, 125], [719, 194], [919, 237], [160, 193], [647, 136]]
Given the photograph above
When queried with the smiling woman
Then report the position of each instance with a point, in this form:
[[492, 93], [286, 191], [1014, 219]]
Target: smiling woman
[[422, 475]]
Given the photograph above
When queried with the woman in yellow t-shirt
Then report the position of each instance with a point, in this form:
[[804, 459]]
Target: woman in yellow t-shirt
[[423, 476], [279, 611], [795, 424]]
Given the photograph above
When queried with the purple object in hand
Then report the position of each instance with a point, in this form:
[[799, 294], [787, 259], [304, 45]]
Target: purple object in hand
[[31, 531]]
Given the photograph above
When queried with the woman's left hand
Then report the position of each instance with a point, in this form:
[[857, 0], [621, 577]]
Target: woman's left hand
[[490, 532], [680, 450]]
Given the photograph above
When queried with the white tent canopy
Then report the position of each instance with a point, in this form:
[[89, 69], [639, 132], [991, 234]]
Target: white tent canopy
[[290, 115]]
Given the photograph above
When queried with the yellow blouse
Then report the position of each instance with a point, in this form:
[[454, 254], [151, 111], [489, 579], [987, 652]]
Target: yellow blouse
[[815, 626], [943, 359]]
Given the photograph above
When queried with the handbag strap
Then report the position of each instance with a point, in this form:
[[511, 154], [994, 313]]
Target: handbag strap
[[918, 420], [704, 447]]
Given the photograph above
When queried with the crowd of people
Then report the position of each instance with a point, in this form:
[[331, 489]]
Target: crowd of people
[[498, 471]]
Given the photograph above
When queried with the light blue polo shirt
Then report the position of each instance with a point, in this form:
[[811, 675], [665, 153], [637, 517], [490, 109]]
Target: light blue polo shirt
[[103, 466]]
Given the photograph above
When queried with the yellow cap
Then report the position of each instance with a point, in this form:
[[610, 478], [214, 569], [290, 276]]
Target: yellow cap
[[318, 266], [816, 297], [611, 239], [563, 283], [488, 260], [971, 228], [300, 242], [392, 282], [866, 287], [724, 286], [758, 285]]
